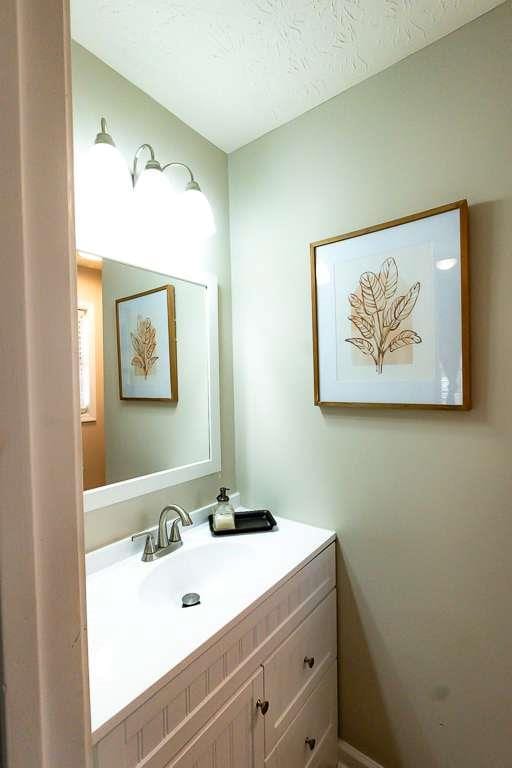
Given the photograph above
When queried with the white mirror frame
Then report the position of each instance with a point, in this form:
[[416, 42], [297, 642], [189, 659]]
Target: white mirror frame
[[96, 498]]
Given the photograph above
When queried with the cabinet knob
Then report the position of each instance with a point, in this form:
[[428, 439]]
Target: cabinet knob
[[262, 706], [311, 743], [309, 661]]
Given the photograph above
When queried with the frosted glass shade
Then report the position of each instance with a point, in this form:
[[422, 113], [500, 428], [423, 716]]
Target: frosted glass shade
[[194, 215], [154, 197], [154, 214], [103, 204]]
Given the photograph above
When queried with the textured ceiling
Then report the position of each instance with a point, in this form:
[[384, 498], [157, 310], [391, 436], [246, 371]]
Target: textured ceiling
[[235, 69]]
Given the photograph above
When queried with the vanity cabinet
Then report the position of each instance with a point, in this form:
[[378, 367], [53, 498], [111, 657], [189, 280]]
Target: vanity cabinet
[[262, 695]]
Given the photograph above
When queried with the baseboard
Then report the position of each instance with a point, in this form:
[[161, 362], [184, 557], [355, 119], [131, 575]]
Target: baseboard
[[349, 757]]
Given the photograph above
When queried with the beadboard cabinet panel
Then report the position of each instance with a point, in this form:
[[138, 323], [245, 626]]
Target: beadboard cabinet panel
[[234, 738]]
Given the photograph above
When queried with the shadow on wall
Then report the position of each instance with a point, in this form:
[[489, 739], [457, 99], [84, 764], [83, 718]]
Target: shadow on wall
[[485, 220], [362, 702]]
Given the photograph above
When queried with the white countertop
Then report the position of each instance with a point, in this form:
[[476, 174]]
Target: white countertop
[[139, 633]]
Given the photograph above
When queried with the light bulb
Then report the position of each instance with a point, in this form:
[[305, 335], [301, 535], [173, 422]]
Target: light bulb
[[103, 198], [154, 197], [154, 212], [194, 215]]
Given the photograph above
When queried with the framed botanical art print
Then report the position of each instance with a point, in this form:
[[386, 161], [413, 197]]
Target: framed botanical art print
[[391, 313], [146, 345]]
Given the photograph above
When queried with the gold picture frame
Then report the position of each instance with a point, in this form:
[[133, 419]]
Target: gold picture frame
[[141, 347], [371, 342]]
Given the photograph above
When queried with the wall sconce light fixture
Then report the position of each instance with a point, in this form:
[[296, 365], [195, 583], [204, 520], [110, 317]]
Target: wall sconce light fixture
[[188, 213]]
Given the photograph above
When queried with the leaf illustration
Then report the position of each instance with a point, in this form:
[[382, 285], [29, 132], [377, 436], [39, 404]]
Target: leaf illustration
[[403, 339], [389, 278], [389, 318], [365, 326], [144, 345], [373, 294], [363, 346], [137, 347], [380, 312], [406, 303], [356, 304]]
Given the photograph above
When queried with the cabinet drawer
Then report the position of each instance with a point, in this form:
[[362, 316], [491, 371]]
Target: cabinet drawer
[[311, 739], [295, 668], [326, 754]]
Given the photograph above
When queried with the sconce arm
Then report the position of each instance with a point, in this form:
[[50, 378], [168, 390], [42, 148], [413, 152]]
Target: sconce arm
[[152, 160], [182, 165]]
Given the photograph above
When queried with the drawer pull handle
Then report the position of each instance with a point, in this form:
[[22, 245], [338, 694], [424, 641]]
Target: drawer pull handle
[[309, 661], [262, 706], [311, 743]]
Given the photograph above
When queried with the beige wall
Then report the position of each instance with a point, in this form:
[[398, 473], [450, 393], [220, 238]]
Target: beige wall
[[93, 432], [421, 501], [134, 118]]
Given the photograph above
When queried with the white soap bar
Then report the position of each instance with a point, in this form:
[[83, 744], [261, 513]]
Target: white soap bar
[[223, 522]]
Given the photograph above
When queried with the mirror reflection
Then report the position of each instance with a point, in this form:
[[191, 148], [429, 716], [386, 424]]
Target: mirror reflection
[[143, 352]]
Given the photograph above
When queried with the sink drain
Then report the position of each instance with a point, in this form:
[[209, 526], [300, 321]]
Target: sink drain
[[190, 599]]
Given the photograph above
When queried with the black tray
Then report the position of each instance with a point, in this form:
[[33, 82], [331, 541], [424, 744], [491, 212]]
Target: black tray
[[258, 520]]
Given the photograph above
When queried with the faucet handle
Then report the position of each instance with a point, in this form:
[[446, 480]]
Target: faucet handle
[[175, 536], [142, 533], [149, 547]]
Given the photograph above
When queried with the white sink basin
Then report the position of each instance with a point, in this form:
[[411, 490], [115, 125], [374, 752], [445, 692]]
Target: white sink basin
[[211, 569]]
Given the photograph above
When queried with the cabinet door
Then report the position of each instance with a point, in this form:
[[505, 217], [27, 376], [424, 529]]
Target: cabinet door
[[234, 738]]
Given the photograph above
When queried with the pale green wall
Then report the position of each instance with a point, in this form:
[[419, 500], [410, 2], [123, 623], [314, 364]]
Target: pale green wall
[[421, 501], [133, 118]]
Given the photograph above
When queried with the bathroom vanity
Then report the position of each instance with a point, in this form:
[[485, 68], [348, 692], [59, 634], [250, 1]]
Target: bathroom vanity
[[245, 679], [246, 675]]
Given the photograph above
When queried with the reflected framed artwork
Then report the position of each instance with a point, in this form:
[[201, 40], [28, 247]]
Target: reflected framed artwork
[[146, 345], [391, 313]]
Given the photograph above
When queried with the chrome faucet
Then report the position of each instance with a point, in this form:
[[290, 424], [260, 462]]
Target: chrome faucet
[[165, 543]]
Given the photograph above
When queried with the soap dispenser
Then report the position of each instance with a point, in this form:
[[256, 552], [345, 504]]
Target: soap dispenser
[[224, 514]]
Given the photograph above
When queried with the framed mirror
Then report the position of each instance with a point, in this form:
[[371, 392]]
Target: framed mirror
[[149, 378]]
